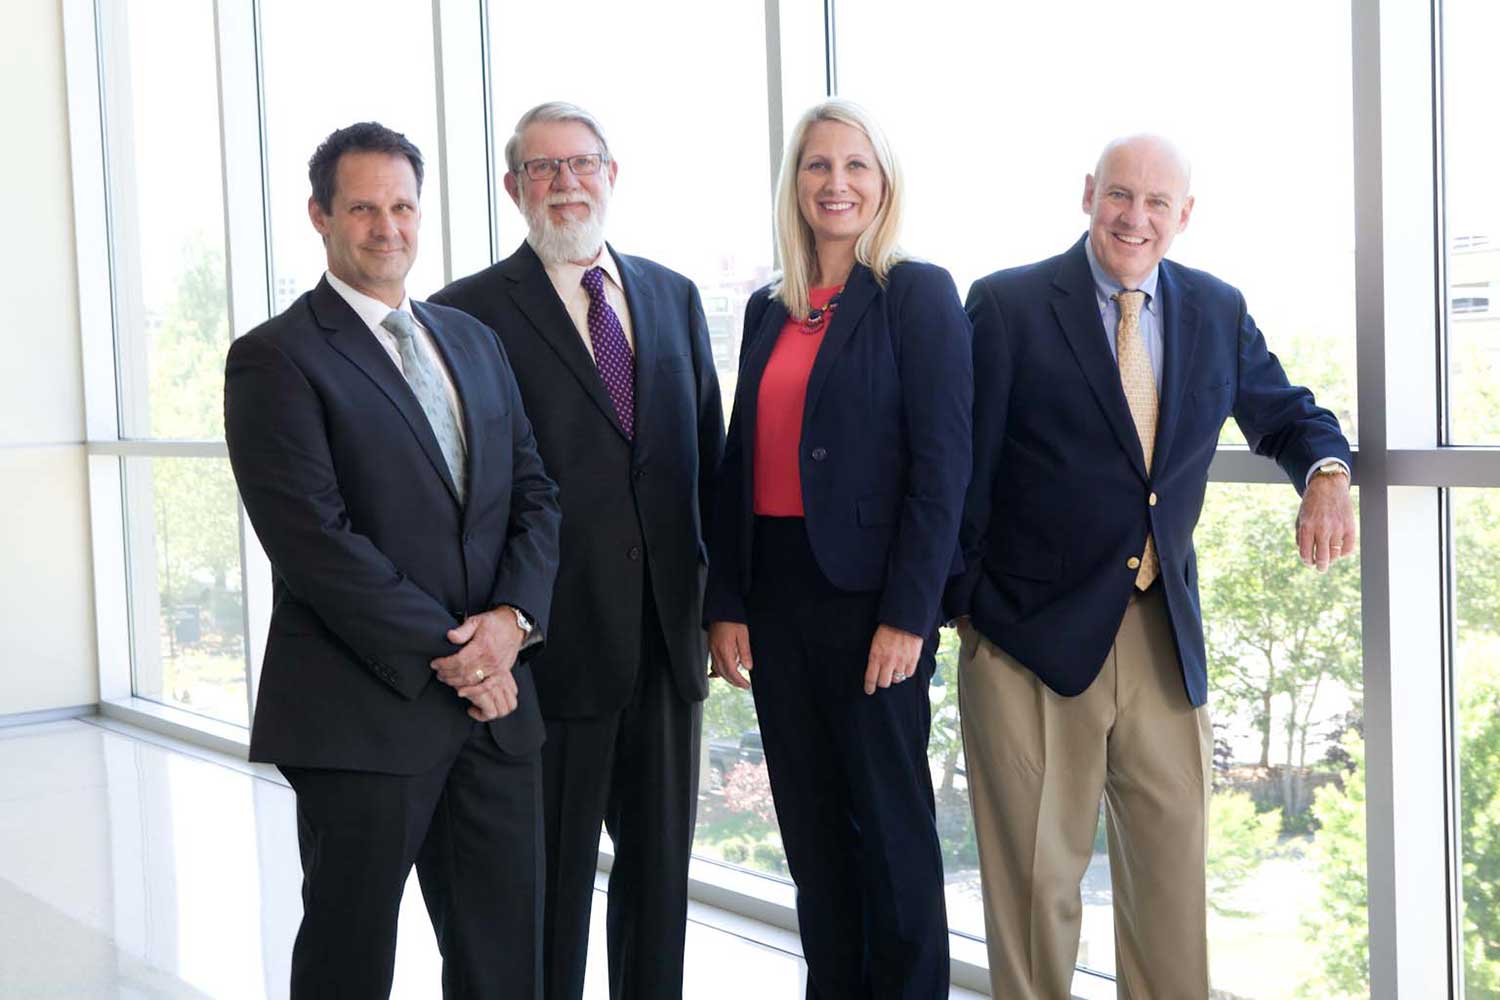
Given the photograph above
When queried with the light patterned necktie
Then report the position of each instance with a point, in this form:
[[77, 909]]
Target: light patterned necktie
[[611, 350], [427, 385], [1139, 382]]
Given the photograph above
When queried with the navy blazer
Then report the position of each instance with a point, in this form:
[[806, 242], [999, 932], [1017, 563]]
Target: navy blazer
[[1060, 499], [884, 455], [373, 557]]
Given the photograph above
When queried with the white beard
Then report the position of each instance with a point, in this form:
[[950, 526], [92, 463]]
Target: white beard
[[571, 240]]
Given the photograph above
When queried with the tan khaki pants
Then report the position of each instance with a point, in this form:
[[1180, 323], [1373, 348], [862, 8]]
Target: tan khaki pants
[[1037, 765]]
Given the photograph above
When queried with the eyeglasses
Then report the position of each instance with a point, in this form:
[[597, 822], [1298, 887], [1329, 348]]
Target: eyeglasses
[[545, 168]]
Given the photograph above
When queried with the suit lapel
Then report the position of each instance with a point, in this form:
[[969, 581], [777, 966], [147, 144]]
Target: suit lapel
[[641, 302], [531, 290], [859, 291], [1077, 310], [472, 390], [756, 356], [1179, 332], [348, 335]]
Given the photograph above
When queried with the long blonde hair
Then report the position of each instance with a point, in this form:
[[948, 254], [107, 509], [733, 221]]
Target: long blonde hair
[[877, 246]]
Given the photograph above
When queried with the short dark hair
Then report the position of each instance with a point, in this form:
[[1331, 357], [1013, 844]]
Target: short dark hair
[[361, 137]]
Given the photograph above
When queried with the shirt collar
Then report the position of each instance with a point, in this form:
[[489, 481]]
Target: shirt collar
[[1105, 286], [570, 275], [371, 310]]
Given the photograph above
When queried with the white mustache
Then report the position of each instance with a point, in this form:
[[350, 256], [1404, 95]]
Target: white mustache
[[581, 198]]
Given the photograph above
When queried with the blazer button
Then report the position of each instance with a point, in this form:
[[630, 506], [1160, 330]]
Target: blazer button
[[634, 553], [1151, 500], [1133, 563], [818, 454], [638, 475]]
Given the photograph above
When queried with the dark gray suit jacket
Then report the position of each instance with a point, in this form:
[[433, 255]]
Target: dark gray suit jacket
[[627, 505], [374, 558]]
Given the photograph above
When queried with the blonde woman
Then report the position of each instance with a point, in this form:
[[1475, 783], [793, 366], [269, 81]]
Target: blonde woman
[[834, 532]]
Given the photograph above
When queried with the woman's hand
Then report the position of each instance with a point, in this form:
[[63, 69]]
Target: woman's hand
[[893, 657], [729, 648]]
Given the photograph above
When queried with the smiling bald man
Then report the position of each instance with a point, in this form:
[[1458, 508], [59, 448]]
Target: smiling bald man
[[1102, 379]]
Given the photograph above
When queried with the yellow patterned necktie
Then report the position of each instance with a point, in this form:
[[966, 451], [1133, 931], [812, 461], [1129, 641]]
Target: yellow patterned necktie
[[1139, 383]]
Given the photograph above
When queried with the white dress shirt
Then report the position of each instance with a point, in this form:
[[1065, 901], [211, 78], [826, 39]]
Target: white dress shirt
[[567, 278], [373, 312]]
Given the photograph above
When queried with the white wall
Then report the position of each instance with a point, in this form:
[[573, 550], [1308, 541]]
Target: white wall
[[47, 648]]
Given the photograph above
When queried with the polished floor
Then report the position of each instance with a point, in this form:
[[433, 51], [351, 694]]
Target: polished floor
[[132, 866]]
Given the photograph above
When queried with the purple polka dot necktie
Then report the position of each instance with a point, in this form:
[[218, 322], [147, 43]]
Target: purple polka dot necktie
[[611, 350]]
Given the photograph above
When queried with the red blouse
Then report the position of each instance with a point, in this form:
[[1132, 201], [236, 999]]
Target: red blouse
[[778, 414]]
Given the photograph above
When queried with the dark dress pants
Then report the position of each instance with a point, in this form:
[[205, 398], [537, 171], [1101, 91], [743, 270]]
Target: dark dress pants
[[634, 771], [850, 779], [472, 825]]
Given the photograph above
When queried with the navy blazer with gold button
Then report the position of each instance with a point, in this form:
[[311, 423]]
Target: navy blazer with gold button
[[1061, 499]]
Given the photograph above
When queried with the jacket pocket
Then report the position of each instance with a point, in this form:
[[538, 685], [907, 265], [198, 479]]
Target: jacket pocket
[[879, 508]]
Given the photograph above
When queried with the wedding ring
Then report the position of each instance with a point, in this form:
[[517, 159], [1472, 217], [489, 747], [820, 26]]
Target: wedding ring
[[900, 677]]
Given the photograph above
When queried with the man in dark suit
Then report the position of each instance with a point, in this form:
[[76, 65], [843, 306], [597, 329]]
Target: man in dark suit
[[1102, 378], [387, 464], [613, 360]]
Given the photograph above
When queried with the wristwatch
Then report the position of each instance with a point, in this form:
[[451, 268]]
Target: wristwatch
[[1332, 467], [522, 622]]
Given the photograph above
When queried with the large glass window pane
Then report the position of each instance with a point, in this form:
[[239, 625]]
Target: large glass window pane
[[689, 133], [1471, 146], [1476, 530], [1286, 866], [167, 217], [995, 170], [736, 818], [333, 64], [186, 597]]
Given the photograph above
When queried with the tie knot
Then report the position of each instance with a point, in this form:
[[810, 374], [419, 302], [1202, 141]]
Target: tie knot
[[399, 322], [593, 282], [1130, 302]]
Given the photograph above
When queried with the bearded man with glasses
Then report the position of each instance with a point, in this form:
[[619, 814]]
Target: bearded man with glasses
[[612, 356]]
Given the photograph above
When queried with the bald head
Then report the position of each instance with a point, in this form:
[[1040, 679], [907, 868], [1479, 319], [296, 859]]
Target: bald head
[[1137, 201], [1158, 147]]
